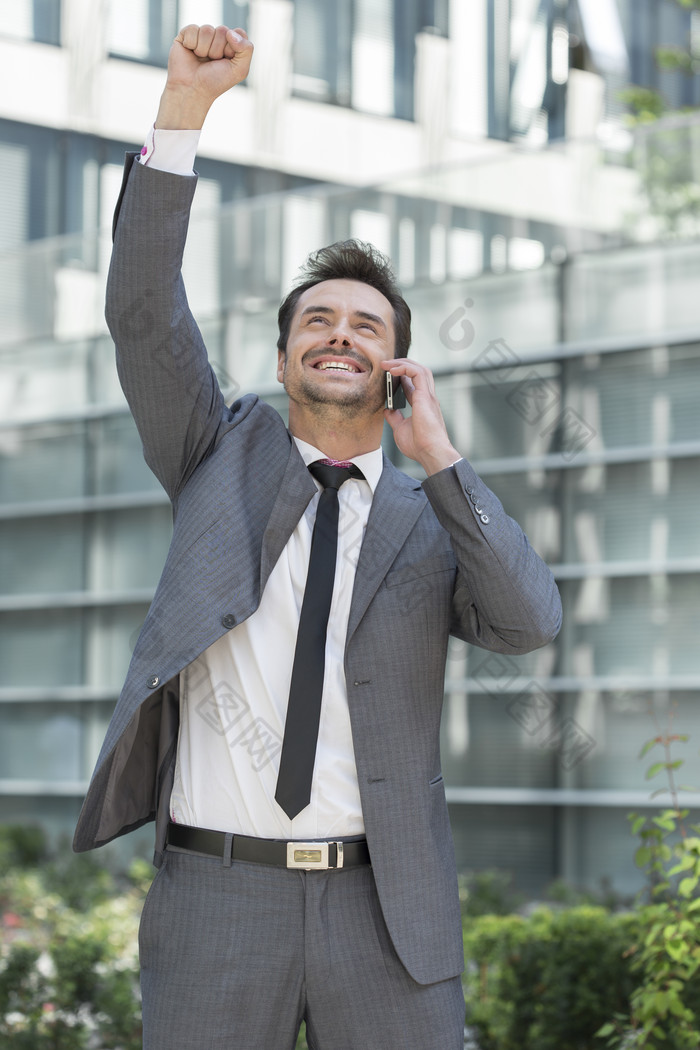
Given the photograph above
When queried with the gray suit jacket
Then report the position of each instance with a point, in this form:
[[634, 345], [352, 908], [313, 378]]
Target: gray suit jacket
[[430, 565]]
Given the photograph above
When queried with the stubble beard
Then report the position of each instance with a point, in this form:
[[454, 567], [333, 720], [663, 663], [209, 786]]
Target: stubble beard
[[368, 399]]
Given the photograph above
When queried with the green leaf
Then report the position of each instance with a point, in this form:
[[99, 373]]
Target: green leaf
[[637, 824], [642, 856], [686, 886], [685, 862], [648, 746], [655, 769]]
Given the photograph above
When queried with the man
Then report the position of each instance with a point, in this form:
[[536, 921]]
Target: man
[[305, 865]]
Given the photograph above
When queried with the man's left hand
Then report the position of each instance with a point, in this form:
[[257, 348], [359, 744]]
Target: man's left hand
[[422, 436]]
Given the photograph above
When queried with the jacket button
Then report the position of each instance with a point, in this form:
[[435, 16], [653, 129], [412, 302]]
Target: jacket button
[[474, 498], [228, 621], [485, 518], [153, 681], [469, 489]]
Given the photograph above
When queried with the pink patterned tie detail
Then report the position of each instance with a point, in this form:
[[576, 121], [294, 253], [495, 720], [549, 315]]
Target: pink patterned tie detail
[[336, 462]]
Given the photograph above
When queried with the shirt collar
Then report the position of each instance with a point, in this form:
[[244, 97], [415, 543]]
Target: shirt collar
[[370, 463]]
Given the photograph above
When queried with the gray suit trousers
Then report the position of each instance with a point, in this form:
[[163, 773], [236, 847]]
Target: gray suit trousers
[[233, 958]]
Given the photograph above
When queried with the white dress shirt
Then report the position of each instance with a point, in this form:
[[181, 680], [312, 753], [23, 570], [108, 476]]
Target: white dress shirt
[[233, 698]]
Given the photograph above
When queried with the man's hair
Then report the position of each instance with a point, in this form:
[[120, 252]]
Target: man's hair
[[351, 260]]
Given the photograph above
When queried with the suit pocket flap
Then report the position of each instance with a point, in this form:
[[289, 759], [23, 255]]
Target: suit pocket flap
[[444, 562]]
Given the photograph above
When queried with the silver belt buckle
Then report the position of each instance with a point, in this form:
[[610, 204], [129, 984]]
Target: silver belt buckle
[[311, 856]]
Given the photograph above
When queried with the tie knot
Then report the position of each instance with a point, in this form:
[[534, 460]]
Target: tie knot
[[332, 474]]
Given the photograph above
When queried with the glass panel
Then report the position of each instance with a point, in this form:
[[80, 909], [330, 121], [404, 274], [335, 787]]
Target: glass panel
[[44, 379], [620, 723], [32, 20], [516, 839], [633, 398], [485, 746], [41, 741], [630, 626], [628, 511], [322, 44], [113, 551], [41, 648], [597, 851], [589, 847], [535, 739], [144, 29], [41, 555], [47, 461], [651, 289]]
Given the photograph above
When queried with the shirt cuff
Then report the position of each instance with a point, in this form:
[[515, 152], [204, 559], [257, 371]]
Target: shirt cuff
[[172, 151]]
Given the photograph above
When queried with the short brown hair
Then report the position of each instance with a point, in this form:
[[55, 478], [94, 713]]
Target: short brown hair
[[351, 260]]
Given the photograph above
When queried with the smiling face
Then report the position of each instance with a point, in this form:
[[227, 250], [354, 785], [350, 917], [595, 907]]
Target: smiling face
[[340, 332]]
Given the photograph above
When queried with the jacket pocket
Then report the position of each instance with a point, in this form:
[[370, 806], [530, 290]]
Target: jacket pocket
[[444, 562]]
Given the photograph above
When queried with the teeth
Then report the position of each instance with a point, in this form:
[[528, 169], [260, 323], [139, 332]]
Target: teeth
[[336, 364]]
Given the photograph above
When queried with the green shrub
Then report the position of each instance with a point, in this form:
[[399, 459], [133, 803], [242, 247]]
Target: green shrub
[[547, 982], [21, 847], [664, 1008], [488, 892], [68, 960]]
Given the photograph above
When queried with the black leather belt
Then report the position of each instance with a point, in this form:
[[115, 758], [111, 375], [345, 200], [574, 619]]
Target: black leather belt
[[309, 856]]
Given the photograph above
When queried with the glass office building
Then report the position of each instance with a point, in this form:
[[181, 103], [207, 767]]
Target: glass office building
[[561, 320]]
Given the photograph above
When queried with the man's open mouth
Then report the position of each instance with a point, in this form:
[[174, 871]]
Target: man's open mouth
[[330, 364], [336, 366]]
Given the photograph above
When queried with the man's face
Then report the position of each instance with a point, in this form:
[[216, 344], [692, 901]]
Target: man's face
[[340, 332]]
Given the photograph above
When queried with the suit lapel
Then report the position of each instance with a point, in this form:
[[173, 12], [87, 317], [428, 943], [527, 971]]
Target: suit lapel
[[396, 506], [296, 488]]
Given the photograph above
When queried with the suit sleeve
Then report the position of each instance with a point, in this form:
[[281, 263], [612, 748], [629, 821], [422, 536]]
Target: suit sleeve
[[505, 598], [161, 359]]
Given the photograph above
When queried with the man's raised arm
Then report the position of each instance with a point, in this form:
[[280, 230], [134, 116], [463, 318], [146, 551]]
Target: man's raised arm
[[161, 359]]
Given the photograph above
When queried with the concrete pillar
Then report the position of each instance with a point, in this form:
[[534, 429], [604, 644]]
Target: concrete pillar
[[83, 35], [431, 94], [271, 30]]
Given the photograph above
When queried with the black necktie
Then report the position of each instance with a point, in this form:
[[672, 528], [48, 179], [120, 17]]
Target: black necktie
[[304, 709]]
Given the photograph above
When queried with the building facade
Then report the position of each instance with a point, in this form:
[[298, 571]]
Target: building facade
[[482, 145]]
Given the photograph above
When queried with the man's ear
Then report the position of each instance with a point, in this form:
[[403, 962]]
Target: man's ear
[[281, 361]]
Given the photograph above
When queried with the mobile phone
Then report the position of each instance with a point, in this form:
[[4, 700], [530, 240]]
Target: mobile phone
[[395, 397]]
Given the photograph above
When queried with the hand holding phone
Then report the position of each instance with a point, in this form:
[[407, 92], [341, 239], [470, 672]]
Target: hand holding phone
[[395, 397]]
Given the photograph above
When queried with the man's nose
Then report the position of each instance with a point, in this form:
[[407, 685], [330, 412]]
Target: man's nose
[[340, 336]]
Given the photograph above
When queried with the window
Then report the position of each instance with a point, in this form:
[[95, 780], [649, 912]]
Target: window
[[38, 20], [361, 53], [143, 30]]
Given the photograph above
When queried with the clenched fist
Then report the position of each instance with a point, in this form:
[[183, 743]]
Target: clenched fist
[[203, 63]]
